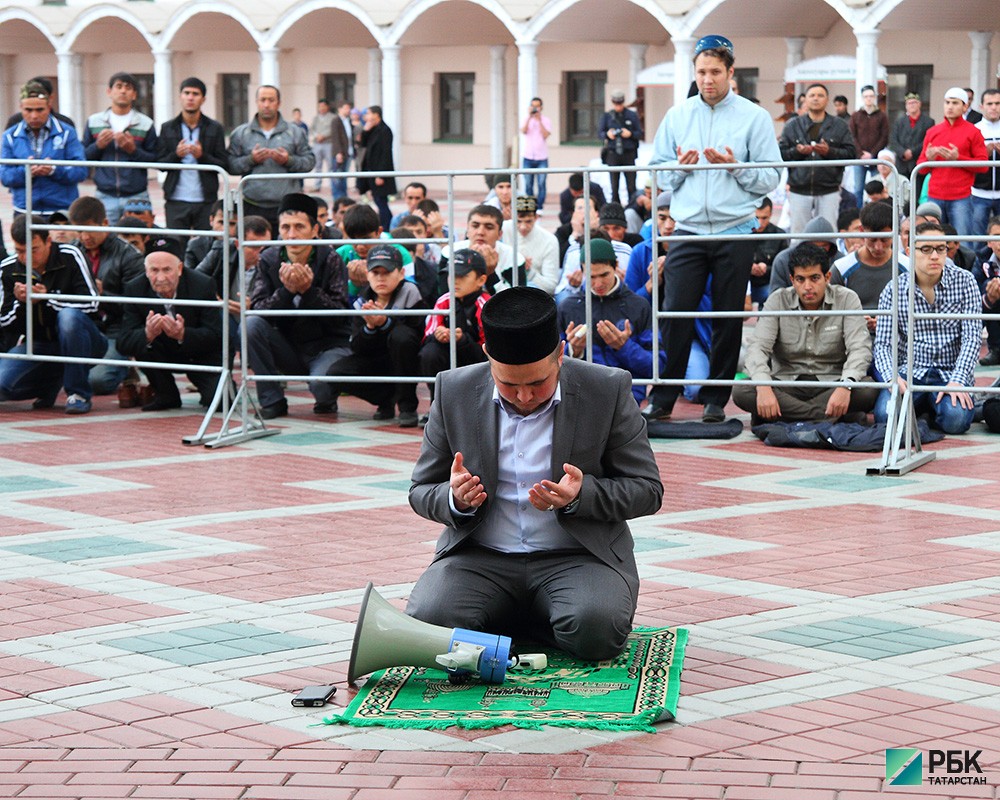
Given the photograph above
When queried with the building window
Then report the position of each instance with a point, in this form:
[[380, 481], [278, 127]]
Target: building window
[[454, 104], [584, 105], [905, 78], [338, 87], [144, 92], [746, 81], [235, 99]]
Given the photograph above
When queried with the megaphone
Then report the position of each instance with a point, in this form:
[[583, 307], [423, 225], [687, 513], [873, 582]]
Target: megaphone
[[386, 637]]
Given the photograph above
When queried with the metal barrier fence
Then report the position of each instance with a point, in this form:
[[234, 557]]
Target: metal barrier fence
[[901, 428], [222, 393]]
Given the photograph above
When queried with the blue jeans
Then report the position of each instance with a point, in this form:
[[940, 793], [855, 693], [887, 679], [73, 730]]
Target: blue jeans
[[529, 180], [78, 337], [697, 368], [105, 378], [860, 178], [982, 209], [339, 185], [958, 213], [947, 417]]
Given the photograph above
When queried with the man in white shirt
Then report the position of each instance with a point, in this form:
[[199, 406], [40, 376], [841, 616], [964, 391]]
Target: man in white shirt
[[539, 247]]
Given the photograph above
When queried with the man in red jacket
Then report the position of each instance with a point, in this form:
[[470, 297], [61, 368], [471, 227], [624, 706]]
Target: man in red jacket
[[954, 139]]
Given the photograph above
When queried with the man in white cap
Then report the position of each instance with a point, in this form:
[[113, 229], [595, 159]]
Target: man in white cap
[[954, 139], [533, 465]]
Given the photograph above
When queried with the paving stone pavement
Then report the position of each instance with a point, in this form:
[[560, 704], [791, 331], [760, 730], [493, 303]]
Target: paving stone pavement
[[160, 603]]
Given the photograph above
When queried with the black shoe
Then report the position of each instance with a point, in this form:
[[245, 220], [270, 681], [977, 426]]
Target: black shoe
[[325, 408], [162, 404], [654, 411], [408, 419], [713, 413], [47, 401], [423, 420], [385, 412], [991, 359], [275, 410]]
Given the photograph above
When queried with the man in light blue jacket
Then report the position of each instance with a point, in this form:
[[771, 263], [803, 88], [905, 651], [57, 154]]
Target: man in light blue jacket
[[716, 126]]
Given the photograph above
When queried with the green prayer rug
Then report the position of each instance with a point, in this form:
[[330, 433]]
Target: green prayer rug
[[628, 693]]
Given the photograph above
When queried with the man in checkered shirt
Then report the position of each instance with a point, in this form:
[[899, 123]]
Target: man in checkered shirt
[[944, 350]]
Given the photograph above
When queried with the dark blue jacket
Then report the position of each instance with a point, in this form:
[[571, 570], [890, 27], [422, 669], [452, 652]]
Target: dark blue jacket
[[636, 355], [53, 192]]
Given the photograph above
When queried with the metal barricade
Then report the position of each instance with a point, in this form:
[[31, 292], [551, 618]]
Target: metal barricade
[[222, 392], [902, 451]]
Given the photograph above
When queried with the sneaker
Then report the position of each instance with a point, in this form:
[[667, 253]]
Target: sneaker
[[325, 408], [408, 419], [385, 412], [76, 404], [713, 413], [423, 420], [991, 359]]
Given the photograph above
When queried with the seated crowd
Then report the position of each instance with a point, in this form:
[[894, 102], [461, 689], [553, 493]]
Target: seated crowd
[[606, 285]]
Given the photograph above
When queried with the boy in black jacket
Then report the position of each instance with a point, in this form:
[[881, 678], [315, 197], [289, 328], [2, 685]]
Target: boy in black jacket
[[382, 344]]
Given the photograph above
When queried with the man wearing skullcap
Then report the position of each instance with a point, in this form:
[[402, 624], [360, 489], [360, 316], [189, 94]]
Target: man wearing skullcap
[[533, 465], [165, 329]]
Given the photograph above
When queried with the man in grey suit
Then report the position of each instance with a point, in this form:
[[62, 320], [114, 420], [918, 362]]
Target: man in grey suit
[[533, 465]]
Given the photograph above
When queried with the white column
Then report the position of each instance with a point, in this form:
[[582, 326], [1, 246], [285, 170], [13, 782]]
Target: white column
[[636, 64], [866, 57], [8, 83], [270, 73], [374, 78], [163, 85], [979, 68], [498, 98], [392, 90], [527, 76], [70, 86], [683, 68], [794, 48]]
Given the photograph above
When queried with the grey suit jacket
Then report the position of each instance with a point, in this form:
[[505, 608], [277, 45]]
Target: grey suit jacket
[[597, 428]]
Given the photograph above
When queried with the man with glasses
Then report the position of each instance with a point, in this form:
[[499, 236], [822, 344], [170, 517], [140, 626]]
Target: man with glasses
[[715, 126], [620, 131], [948, 348]]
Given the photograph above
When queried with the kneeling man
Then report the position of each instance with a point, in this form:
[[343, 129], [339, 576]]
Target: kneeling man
[[808, 348], [533, 465]]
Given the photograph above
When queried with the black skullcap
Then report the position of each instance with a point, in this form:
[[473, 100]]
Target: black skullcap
[[297, 201], [519, 325], [165, 244], [613, 214]]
